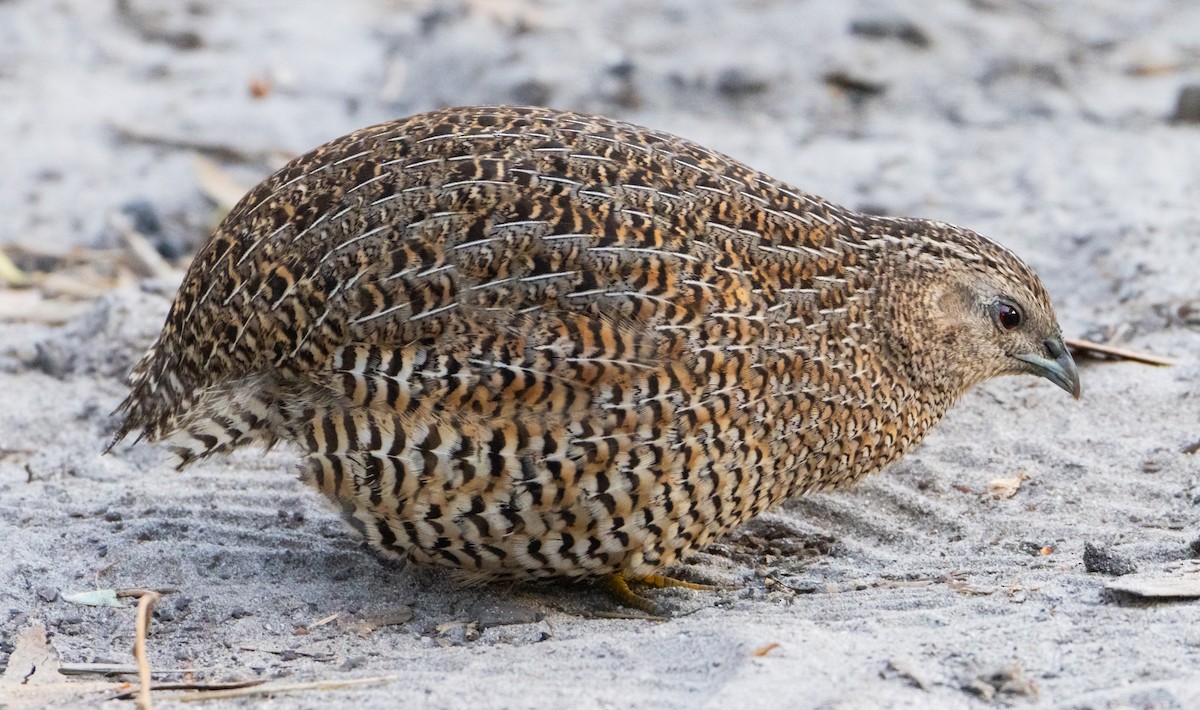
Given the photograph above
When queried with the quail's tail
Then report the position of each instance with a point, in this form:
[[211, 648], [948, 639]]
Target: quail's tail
[[242, 413], [154, 397], [161, 406]]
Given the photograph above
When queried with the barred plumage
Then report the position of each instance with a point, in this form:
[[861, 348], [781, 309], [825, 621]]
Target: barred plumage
[[526, 343]]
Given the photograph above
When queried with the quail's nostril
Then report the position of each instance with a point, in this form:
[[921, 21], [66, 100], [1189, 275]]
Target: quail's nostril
[[1054, 348]]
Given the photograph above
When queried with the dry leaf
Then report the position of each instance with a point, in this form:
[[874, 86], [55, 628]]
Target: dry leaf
[[764, 650], [99, 597], [1001, 488], [32, 660], [31, 307], [9, 273], [1182, 585], [32, 678]]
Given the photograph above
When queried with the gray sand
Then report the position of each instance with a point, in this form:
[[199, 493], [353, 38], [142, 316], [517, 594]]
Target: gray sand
[[1044, 124]]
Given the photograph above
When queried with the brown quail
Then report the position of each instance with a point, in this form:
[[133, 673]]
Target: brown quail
[[530, 344]]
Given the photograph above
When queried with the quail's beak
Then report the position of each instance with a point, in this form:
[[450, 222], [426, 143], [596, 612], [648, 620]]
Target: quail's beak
[[1058, 367]]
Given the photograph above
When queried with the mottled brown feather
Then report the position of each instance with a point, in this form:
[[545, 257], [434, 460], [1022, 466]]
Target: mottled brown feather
[[526, 343]]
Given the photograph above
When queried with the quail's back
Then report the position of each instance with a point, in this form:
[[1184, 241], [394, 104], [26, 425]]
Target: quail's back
[[526, 343]]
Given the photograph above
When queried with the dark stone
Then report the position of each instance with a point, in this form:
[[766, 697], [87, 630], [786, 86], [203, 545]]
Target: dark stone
[[1031, 547], [1105, 561], [144, 220], [622, 68], [293, 519], [737, 83], [766, 540], [52, 359], [442, 14], [47, 594], [488, 613], [1187, 106], [878, 210], [143, 217], [891, 28], [240, 613], [532, 93], [352, 663], [1001, 682]]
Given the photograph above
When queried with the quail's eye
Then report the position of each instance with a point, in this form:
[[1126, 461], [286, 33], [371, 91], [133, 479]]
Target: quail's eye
[[1008, 316]]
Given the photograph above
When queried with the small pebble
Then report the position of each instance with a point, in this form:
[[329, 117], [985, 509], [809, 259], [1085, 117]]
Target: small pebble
[[48, 594], [352, 662], [622, 68], [735, 82], [1031, 547], [143, 217], [1105, 561]]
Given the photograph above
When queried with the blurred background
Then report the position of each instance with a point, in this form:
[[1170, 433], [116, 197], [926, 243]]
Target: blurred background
[[135, 123]]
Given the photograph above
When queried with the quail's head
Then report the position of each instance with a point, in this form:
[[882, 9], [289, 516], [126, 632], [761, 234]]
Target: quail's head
[[979, 312]]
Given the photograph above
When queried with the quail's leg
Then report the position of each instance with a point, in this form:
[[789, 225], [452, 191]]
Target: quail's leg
[[618, 586]]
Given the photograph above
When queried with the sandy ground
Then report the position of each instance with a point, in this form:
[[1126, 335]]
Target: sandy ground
[[1046, 124]]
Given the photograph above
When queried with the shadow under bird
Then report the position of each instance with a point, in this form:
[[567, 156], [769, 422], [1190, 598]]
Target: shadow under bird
[[531, 344]]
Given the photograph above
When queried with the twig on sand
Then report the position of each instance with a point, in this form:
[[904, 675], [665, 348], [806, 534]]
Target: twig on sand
[[1087, 347], [147, 258], [217, 184], [199, 685], [213, 150], [147, 598], [114, 669], [281, 688], [625, 615]]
